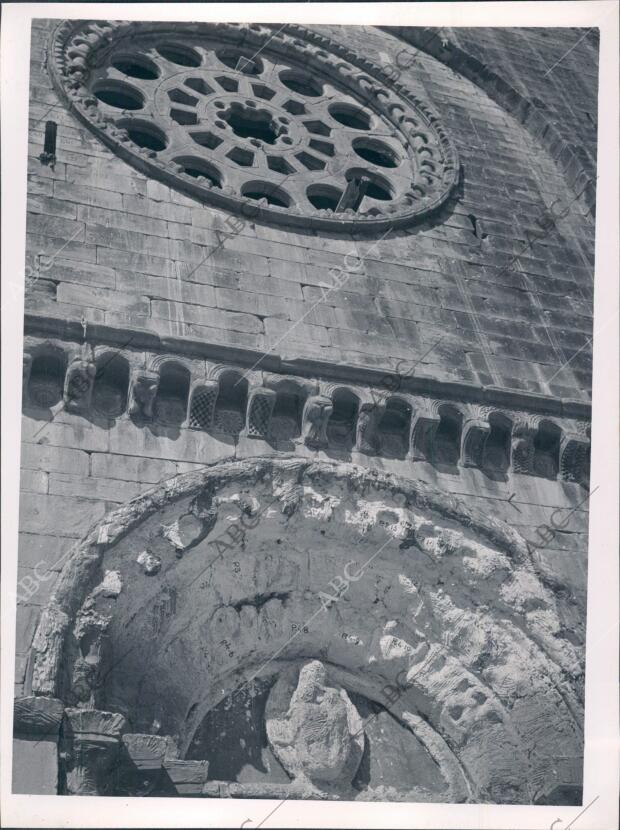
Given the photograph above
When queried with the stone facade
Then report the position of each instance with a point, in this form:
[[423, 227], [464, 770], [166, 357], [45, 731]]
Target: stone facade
[[329, 306]]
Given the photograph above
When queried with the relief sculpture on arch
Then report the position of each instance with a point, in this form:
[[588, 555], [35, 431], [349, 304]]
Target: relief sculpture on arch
[[306, 413]]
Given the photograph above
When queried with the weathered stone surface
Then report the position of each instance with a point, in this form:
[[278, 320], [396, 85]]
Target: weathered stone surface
[[37, 715], [58, 514], [110, 490], [79, 385], [61, 437], [94, 722], [86, 195], [188, 777], [488, 632], [43, 553], [297, 575], [150, 562], [148, 751], [314, 729], [187, 530], [35, 767], [92, 743], [101, 297], [34, 481], [89, 631], [131, 468], [142, 393], [317, 411]]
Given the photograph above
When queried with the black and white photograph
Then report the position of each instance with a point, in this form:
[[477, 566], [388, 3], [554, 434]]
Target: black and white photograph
[[305, 328]]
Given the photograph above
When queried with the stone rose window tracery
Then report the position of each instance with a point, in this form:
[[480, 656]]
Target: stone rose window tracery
[[273, 123]]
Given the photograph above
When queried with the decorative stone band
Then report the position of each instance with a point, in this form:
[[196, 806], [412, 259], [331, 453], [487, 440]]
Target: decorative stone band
[[37, 716], [91, 748], [98, 756], [288, 411]]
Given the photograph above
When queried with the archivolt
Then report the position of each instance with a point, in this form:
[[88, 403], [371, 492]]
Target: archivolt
[[183, 595]]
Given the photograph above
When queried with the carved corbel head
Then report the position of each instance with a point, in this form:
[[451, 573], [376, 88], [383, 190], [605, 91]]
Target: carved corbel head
[[368, 417], [316, 414], [142, 393], [522, 455], [575, 459], [476, 430], [79, 380]]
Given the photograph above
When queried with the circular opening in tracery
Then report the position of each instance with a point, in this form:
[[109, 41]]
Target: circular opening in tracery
[[265, 190], [324, 196], [248, 122], [181, 55], [120, 95], [379, 191], [240, 61], [301, 83], [350, 116], [376, 152], [373, 186], [197, 167], [136, 66], [145, 134]]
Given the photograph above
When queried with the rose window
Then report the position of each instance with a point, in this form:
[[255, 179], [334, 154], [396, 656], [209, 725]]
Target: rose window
[[278, 124]]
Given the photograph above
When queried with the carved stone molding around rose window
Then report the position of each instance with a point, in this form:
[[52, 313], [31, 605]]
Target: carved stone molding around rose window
[[281, 124]]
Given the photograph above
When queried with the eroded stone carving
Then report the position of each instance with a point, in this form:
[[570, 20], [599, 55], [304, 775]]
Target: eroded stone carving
[[150, 563], [142, 393], [421, 621], [185, 532], [473, 439], [141, 769], [316, 732], [34, 715], [89, 631], [368, 418], [424, 425], [522, 455], [575, 459], [316, 414], [91, 750], [191, 527], [79, 381]]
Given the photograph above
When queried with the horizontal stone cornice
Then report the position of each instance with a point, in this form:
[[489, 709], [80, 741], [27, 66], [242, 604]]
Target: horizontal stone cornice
[[411, 378]]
